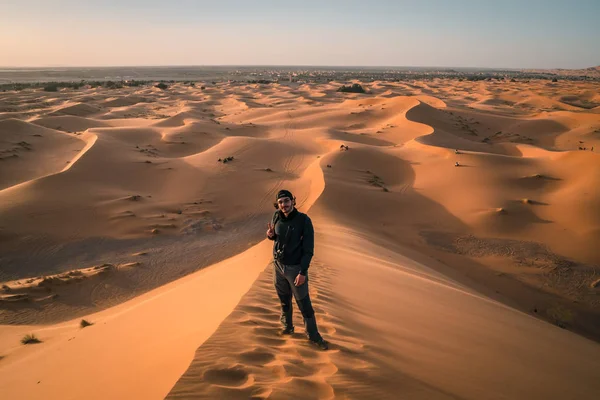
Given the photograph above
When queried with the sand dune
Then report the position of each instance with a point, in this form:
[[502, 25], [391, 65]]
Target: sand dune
[[124, 101], [409, 332], [29, 151], [79, 110], [70, 124], [143, 340], [456, 251]]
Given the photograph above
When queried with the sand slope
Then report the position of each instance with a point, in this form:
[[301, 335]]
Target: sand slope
[[135, 350], [397, 328], [28, 151], [457, 226]]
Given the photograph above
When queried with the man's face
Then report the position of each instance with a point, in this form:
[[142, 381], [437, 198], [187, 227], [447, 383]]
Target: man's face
[[285, 204]]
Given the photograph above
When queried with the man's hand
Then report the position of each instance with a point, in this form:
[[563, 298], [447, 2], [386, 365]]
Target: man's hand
[[300, 279], [270, 230]]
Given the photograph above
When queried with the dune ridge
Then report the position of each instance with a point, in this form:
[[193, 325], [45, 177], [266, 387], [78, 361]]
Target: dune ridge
[[409, 332], [441, 208]]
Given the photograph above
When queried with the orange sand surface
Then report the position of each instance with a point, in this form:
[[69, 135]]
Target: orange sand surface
[[456, 246]]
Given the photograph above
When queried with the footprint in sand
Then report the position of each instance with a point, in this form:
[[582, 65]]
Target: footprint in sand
[[258, 356], [228, 377], [270, 341]]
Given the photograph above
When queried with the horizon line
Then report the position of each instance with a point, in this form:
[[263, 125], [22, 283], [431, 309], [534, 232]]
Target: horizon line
[[287, 66]]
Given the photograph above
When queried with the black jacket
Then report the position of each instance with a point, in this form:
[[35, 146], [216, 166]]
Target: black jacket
[[295, 238]]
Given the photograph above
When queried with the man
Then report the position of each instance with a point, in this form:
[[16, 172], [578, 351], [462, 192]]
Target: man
[[294, 238]]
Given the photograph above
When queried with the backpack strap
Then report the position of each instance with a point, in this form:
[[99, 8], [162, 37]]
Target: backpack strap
[[276, 218]]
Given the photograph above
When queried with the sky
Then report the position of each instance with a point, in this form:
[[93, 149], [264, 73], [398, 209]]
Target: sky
[[427, 33]]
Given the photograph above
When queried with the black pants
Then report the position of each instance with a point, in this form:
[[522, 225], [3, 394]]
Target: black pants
[[283, 279]]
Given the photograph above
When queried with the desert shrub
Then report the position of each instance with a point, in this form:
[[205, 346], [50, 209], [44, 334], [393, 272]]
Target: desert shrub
[[53, 87], [355, 88], [30, 339], [114, 85], [85, 323]]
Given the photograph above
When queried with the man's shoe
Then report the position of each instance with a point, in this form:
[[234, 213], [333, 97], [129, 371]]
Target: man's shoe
[[320, 343], [287, 331]]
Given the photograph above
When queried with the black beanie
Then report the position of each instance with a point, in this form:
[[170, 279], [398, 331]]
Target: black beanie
[[284, 193]]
